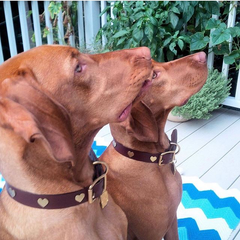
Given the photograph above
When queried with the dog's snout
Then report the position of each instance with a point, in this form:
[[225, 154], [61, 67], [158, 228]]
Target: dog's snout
[[142, 52], [200, 57], [146, 53]]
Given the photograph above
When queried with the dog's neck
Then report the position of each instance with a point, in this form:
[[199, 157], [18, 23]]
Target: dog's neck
[[83, 169], [143, 130], [34, 171]]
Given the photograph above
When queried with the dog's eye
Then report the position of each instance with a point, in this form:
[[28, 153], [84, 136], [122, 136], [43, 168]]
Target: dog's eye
[[154, 75], [78, 68]]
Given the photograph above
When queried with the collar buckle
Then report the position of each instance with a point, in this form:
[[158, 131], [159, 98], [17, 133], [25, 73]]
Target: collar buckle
[[174, 152], [91, 195]]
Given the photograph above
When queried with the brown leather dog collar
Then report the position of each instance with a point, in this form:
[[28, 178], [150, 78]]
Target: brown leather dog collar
[[163, 158], [57, 201]]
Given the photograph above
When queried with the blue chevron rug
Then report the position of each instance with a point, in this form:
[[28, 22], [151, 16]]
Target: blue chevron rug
[[206, 212]]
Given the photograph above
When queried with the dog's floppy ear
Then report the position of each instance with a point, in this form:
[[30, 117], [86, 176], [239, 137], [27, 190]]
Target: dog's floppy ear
[[141, 124], [33, 114]]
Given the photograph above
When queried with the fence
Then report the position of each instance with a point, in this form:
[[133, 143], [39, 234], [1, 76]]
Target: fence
[[88, 26]]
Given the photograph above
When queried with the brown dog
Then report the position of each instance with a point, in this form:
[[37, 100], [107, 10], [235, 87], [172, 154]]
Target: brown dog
[[53, 100], [148, 193]]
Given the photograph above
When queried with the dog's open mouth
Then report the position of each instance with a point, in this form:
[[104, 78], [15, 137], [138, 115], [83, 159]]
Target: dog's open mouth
[[125, 113]]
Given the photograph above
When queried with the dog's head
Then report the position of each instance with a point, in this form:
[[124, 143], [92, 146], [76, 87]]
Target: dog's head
[[56, 93], [174, 83]]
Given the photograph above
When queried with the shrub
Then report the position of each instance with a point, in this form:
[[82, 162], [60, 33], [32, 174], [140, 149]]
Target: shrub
[[171, 29], [209, 98]]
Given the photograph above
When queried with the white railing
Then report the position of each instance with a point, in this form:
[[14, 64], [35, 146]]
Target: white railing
[[88, 24]]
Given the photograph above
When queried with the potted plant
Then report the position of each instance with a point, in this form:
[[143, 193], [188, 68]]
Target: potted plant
[[209, 98]]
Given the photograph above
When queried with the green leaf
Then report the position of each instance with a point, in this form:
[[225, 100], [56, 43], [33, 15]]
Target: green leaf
[[185, 38], [105, 10], [128, 43], [33, 38], [175, 34], [234, 31], [137, 9], [221, 49], [137, 34], [175, 10], [222, 26], [198, 41], [212, 7], [194, 3], [212, 23], [173, 19], [172, 48], [149, 12], [164, 15], [121, 40], [149, 31], [160, 55], [137, 16], [46, 31], [165, 3], [170, 55], [184, 5], [99, 35], [139, 3], [120, 34], [115, 12], [139, 22], [180, 44], [219, 35], [29, 13], [167, 41], [154, 21], [153, 47], [198, 17], [153, 4], [230, 59], [54, 8], [187, 15], [123, 18]]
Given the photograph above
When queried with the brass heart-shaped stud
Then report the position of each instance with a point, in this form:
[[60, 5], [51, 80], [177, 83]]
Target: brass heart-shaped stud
[[130, 154], [43, 202], [11, 192], [153, 158], [79, 197]]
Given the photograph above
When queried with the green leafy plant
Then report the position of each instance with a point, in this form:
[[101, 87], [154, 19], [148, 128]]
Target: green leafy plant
[[171, 29], [219, 38], [209, 98]]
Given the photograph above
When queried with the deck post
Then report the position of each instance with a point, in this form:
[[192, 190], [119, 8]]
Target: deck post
[[10, 28]]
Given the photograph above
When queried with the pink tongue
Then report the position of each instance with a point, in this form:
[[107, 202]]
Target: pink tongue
[[125, 113]]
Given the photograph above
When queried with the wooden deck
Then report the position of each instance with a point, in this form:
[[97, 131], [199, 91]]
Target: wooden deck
[[210, 149]]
